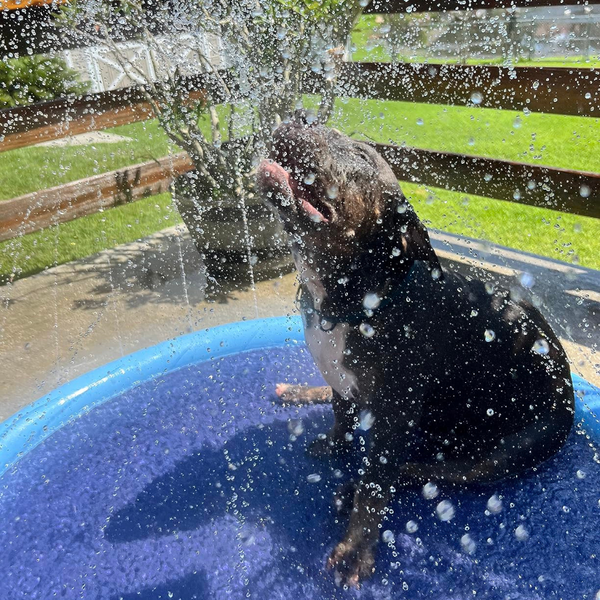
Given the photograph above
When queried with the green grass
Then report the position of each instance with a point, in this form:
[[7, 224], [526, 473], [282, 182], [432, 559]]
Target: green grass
[[555, 140], [39, 167], [365, 28], [83, 237]]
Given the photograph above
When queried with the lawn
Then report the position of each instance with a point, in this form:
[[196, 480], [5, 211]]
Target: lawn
[[366, 47], [555, 140]]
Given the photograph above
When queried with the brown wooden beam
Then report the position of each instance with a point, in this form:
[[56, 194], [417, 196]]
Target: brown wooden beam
[[398, 6], [564, 90], [558, 189], [44, 121], [42, 209]]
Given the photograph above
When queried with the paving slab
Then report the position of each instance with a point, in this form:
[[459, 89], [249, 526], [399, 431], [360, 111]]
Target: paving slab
[[73, 318]]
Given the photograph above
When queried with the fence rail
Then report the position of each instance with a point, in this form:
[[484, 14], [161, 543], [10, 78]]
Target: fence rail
[[64, 203], [569, 91]]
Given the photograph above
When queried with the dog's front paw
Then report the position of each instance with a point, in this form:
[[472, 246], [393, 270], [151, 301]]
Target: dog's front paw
[[352, 562]]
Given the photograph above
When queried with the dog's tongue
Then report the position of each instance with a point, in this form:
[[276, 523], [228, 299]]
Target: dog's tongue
[[272, 176]]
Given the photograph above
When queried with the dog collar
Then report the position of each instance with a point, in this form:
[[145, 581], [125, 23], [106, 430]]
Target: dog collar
[[305, 303]]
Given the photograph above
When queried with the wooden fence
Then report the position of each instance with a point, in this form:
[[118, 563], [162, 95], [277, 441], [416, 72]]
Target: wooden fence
[[568, 91]]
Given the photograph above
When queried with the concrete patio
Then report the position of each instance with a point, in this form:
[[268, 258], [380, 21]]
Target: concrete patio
[[73, 318]]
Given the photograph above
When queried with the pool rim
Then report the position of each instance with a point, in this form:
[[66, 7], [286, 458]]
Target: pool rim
[[22, 432]]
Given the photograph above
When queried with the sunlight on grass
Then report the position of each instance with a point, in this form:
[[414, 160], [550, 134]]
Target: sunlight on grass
[[83, 237]]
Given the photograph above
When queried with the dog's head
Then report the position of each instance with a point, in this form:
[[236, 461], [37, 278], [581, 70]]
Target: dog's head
[[342, 205]]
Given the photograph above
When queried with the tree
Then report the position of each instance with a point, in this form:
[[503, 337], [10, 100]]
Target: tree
[[268, 47]]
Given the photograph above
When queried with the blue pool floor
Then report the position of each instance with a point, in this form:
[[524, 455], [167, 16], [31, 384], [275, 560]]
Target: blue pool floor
[[197, 486]]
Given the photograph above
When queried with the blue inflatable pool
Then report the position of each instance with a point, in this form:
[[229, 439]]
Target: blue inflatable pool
[[174, 474]]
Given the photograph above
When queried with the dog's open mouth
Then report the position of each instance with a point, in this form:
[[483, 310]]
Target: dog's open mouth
[[286, 194]]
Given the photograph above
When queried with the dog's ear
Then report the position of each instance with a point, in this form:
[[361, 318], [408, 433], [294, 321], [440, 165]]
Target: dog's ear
[[414, 236]]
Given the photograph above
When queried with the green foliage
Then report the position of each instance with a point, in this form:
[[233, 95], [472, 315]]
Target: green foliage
[[36, 78]]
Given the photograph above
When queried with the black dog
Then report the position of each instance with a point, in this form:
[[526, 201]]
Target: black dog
[[463, 383]]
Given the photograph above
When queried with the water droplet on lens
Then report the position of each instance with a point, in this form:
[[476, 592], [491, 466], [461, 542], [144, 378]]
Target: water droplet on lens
[[494, 504], [587, 95], [468, 543], [489, 412], [517, 122], [412, 527], [388, 536], [476, 97], [580, 474], [402, 208], [313, 478], [371, 301], [310, 179], [367, 330], [296, 427], [430, 491], [541, 347], [521, 533], [396, 252], [367, 418], [445, 511], [527, 280], [419, 121], [585, 191], [489, 335], [333, 191]]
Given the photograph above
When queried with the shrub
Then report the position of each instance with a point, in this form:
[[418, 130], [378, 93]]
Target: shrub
[[35, 78]]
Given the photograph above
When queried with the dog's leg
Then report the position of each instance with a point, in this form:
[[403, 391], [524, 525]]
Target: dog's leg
[[303, 394], [339, 438], [353, 558]]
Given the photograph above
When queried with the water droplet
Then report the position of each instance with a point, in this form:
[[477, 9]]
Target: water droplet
[[490, 288], [468, 543], [521, 533], [338, 474], [343, 280], [585, 191], [494, 504], [371, 301], [367, 418], [517, 122], [471, 141], [396, 252], [388, 536], [535, 85], [402, 208], [412, 526], [419, 121], [430, 491], [310, 179], [333, 191], [313, 478], [587, 95], [487, 177], [580, 474], [476, 98], [296, 427], [517, 195], [367, 330], [445, 510], [489, 412], [436, 273], [489, 335], [363, 3], [541, 347], [527, 280]]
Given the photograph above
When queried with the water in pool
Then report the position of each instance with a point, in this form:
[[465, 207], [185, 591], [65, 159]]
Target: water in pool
[[197, 486]]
